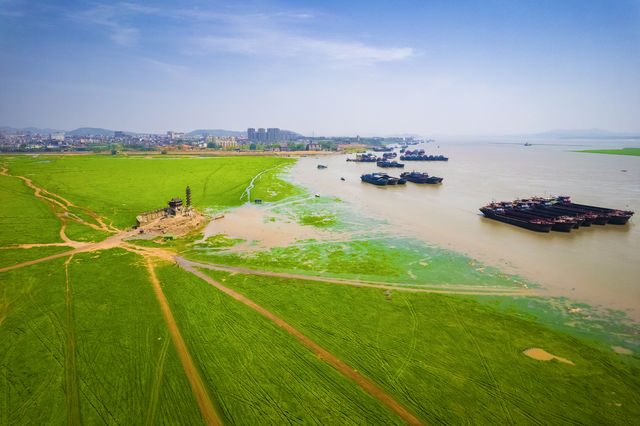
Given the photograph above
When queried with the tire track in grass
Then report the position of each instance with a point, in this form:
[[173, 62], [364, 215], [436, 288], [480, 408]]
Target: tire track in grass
[[157, 382], [354, 282], [321, 353], [206, 406], [485, 365], [414, 340], [70, 364]]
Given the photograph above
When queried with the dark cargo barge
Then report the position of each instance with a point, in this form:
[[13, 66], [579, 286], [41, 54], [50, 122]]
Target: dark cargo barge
[[499, 213], [364, 158], [385, 163], [560, 212], [417, 177], [382, 179]]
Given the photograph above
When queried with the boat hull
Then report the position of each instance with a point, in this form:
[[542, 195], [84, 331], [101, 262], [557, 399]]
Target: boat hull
[[532, 226]]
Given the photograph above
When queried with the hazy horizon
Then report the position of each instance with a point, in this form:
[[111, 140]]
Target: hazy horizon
[[324, 68]]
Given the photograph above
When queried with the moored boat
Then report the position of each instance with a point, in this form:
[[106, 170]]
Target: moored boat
[[498, 213], [615, 216], [382, 179], [364, 158], [422, 157], [559, 211], [417, 177], [384, 163]]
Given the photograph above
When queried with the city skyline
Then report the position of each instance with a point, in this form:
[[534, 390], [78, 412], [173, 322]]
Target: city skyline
[[322, 67]]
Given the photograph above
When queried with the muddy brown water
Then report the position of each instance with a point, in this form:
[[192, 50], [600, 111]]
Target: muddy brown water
[[597, 265]]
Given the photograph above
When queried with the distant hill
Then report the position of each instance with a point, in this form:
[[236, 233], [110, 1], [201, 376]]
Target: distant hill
[[583, 134], [90, 131], [216, 132], [32, 130], [405, 135]]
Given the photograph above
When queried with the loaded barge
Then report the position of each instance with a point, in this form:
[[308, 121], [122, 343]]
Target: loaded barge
[[419, 155], [364, 158], [417, 177], [382, 179], [386, 163], [557, 213]]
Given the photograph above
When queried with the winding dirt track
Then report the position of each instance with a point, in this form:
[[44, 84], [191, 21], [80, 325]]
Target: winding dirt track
[[343, 368], [72, 387], [206, 406], [356, 283]]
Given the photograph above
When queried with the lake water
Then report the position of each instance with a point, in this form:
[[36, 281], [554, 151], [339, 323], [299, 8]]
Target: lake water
[[599, 265]]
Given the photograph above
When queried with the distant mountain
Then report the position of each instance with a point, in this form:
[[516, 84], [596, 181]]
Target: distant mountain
[[583, 134], [405, 135], [32, 130], [216, 132], [83, 131], [90, 131]]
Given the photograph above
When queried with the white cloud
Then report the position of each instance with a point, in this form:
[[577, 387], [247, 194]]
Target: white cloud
[[108, 18], [275, 34], [274, 43]]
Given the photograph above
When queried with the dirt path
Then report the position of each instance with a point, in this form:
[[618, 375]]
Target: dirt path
[[28, 246], [357, 283], [343, 368], [54, 200], [72, 392], [111, 242], [206, 406]]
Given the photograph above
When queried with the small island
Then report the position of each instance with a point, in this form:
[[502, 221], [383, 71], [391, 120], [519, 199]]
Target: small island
[[623, 151]]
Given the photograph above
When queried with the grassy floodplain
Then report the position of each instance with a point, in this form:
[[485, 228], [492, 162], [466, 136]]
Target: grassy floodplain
[[258, 373], [451, 359], [119, 188], [86, 339], [622, 151], [24, 218]]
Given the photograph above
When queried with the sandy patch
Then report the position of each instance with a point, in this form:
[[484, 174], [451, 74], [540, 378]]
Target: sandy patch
[[621, 350], [259, 225], [542, 355]]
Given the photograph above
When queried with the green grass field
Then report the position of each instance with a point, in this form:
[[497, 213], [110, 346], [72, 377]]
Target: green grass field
[[16, 256], [92, 345], [126, 364], [23, 217], [32, 344], [106, 357], [257, 373], [623, 151], [79, 232], [120, 188], [450, 359]]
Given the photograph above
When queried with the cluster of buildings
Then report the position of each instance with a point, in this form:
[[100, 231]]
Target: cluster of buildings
[[20, 140], [88, 139], [270, 135]]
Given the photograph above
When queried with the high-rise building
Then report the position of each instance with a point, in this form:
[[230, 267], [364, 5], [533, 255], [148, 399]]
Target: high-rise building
[[119, 134], [251, 134], [273, 134], [58, 136], [262, 135]]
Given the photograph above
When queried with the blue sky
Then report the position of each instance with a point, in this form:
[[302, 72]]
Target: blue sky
[[323, 67]]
